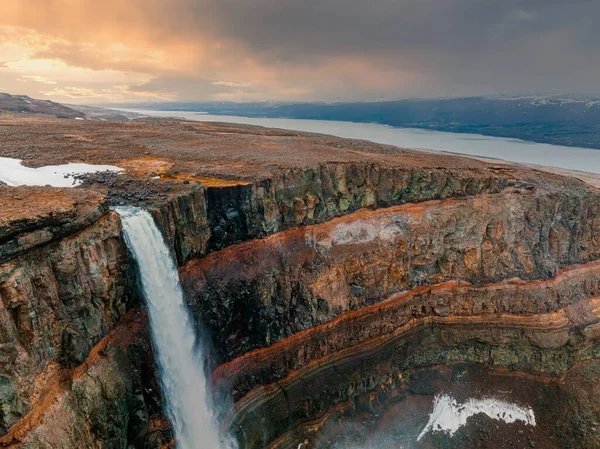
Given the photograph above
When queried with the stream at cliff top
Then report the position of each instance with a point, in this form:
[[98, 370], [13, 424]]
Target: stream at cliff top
[[180, 360]]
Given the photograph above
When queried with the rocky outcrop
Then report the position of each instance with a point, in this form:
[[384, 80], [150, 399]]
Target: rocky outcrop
[[62, 291], [183, 221], [111, 399], [32, 216], [568, 300]]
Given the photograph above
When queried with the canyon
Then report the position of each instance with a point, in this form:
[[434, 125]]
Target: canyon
[[339, 288]]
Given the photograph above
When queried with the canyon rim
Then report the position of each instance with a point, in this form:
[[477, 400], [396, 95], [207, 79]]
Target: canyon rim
[[347, 294]]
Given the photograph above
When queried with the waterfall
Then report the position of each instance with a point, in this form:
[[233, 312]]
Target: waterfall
[[180, 362]]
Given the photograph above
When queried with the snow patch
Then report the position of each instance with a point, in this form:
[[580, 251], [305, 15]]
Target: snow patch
[[354, 233], [449, 416], [392, 233], [13, 173], [358, 232]]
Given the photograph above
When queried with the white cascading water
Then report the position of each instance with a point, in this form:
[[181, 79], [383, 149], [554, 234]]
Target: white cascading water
[[180, 362]]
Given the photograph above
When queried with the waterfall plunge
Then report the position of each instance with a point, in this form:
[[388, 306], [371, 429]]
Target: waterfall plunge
[[180, 363]]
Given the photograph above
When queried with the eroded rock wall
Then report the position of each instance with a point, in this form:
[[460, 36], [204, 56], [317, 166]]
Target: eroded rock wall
[[394, 413], [198, 219], [566, 301], [537, 344], [56, 302], [254, 294], [318, 316], [110, 400], [356, 273]]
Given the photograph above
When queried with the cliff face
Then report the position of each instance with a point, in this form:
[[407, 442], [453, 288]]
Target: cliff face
[[505, 278], [199, 220], [62, 290], [303, 277], [69, 376], [330, 313], [109, 400], [339, 288]]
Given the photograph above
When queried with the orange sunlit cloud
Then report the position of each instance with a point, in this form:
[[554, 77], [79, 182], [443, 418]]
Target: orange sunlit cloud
[[148, 50], [115, 51]]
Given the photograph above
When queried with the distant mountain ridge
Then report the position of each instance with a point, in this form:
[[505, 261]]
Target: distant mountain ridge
[[571, 120], [23, 104], [26, 105]]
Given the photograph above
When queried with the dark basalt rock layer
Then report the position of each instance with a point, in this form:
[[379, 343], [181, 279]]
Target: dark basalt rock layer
[[339, 284], [393, 414], [543, 343], [296, 279]]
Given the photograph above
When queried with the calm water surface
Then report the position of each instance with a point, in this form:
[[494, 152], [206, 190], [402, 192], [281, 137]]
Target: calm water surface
[[514, 150]]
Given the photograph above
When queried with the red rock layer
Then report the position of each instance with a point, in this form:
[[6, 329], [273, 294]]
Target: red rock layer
[[254, 294], [100, 400], [451, 300], [546, 343]]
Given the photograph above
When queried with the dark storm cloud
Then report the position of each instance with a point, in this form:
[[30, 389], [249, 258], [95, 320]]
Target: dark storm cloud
[[487, 45], [300, 28], [185, 86]]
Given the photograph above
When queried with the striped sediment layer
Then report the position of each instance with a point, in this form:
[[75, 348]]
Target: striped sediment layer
[[308, 375], [335, 280], [567, 300], [256, 293], [323, 315]]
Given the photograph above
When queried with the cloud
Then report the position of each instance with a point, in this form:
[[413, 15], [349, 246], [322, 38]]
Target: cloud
[[522, 14], [36, 78], [114, 94], [174, 85], [91, 56], [308, 49]]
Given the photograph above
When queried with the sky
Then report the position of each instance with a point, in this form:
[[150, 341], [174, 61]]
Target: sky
[[91, 51]]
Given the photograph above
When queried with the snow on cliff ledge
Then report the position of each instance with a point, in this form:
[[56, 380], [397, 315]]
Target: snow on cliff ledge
[[449, 416]]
